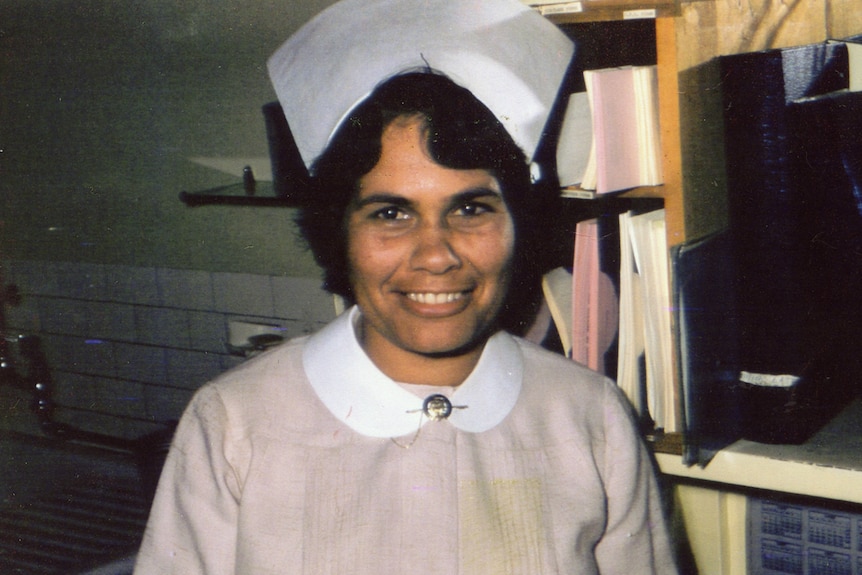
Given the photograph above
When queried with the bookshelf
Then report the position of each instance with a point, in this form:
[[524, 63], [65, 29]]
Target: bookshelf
[[620, 40], [689, 34]]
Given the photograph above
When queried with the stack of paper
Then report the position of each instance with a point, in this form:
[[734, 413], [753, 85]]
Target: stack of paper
[[625, 147], [643, 238]]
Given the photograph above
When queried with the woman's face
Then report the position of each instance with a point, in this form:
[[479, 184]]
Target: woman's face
[[429, 251]]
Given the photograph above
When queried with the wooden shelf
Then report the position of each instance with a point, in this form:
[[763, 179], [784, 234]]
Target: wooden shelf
[[606, 10], [236, 195], [576, 193], [828, 465]]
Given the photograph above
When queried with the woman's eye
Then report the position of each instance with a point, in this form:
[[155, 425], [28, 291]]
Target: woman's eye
[[472, 209], [390, 213]]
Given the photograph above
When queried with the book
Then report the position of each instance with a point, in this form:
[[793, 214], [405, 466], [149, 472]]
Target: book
[[825, 135], [594, 300], [631, 377], [704, 306], [765, 203], [854, 61], [557, 289], [625, 146], [646, 237], [826, 131], [791, 125], [575, 140], [854, 53]]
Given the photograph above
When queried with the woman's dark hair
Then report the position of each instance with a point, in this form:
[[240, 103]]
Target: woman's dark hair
[[462, 134]]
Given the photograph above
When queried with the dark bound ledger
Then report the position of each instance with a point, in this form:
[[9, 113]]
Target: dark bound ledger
[[706, 332], [773, 215]]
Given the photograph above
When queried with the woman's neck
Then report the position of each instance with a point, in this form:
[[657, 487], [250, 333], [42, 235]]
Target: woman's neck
[[409, 367]]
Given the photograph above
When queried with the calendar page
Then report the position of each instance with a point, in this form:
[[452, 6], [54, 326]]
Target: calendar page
[[793, 539]]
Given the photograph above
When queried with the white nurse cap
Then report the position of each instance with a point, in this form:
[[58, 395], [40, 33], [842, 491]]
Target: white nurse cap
[[510, 57]]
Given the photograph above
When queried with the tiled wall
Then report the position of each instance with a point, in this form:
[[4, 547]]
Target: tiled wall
[[127, 346]]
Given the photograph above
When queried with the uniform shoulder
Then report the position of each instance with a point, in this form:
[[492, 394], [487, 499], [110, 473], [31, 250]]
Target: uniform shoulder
[[550, 374], [554, 366], [261, 375]]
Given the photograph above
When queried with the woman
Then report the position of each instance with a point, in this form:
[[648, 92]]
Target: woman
[[413, 434]]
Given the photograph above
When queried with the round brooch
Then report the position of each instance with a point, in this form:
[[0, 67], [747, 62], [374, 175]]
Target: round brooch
[[437, 407]]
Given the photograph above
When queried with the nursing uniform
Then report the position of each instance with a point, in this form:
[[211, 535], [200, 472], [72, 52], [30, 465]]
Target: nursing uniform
[[309, 460]]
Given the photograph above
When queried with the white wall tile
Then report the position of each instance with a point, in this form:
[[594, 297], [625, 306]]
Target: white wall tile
[[92, 356], [36, 277], [81, 280], [113, 321], [135, 342], [24, 318], [245, 294], [59, 351], [186, 289], [207, 331], [143, 363], [75, 390], [301, 298], [129, 284], [120, 398], [63, 316], [166, 327], [166, 403], [191, 369], [7, 272]]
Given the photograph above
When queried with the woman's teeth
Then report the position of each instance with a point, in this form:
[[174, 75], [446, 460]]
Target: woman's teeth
[[435, 298]]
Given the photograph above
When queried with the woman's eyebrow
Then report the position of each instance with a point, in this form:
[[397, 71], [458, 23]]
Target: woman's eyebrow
[[475, 194], [382, 198], [478, 192]]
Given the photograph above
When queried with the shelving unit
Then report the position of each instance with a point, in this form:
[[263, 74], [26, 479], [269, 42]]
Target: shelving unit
[[670, 194], [711, 500]]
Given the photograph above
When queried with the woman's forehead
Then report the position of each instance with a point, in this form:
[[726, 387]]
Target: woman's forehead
[[407, 168]]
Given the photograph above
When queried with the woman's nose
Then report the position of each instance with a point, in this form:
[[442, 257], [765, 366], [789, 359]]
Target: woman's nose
[[433, 250]]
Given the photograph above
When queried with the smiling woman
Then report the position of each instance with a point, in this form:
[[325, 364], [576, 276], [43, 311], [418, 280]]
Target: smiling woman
[[415, 433]]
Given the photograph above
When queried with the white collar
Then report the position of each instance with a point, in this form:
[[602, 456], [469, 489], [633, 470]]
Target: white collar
[[362, 397]]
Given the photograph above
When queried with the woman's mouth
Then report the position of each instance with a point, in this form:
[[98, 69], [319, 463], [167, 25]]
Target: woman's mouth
[[434, 298]]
